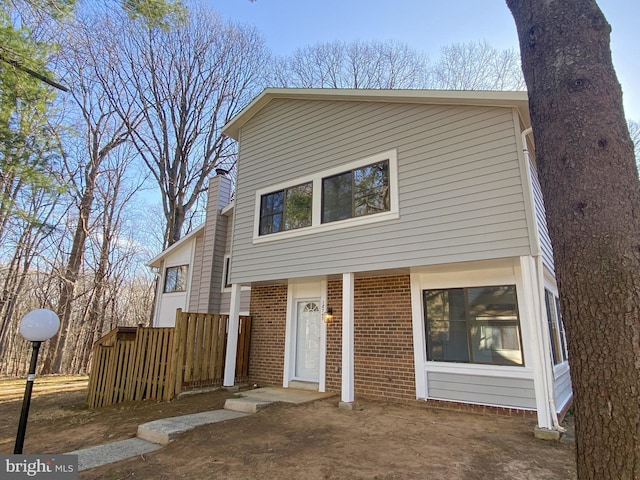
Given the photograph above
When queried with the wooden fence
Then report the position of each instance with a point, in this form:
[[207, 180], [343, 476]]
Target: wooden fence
[[141, 363]]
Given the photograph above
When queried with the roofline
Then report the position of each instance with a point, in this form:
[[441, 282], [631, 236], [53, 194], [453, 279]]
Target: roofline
[[193, 233], [512, 99]]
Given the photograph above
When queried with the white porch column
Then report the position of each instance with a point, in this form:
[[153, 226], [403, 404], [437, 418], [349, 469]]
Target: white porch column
[[347, 340], [232, 337]]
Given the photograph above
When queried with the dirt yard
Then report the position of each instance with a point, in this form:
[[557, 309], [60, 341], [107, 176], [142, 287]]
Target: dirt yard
[[309, 441]]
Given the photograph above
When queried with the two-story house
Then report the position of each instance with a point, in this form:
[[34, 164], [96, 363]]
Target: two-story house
[[395, 245]]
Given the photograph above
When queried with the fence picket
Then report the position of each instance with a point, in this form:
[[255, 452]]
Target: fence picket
[[158, 363]]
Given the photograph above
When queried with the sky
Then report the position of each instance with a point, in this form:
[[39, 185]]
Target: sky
[[425, 25]]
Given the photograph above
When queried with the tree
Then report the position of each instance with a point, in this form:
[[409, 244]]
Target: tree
[[353, 65], [100, 132], [477, 66], [185, 82], [592, 195]]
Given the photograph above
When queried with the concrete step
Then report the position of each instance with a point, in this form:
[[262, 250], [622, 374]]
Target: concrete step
[[245, 404], [164, 430], [300, 385], [112, 452]]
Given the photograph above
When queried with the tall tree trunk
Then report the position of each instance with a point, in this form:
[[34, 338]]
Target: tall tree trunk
[[53, 359], [592, 194]]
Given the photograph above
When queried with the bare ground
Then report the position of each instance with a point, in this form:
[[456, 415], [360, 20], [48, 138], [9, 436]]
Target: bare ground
[[310, 441]]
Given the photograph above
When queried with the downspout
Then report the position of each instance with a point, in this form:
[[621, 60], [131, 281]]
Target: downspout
[[541, 299]]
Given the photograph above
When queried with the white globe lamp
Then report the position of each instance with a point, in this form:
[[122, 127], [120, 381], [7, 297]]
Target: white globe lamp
[[37, 326]]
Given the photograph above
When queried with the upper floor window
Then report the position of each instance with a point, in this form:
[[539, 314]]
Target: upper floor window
[[355, 193], [473, 325], [175, 279], [286, 209]]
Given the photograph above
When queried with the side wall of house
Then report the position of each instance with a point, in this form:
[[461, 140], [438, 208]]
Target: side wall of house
[[541, 218], [268, 327], [460, 186], [168, 303]]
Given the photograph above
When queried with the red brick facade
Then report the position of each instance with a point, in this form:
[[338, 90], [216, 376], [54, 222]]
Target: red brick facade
[[268, 325], [383, 340]]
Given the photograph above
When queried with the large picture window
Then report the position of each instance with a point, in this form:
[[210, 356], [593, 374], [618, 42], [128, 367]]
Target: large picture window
[[473, 325], [358, 192], [556, 329], [175, 279], [286, 209]]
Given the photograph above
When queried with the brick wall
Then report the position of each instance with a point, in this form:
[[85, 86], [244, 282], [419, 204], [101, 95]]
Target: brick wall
[[383, 338], [334, 338], [383, 345], [269, 311]]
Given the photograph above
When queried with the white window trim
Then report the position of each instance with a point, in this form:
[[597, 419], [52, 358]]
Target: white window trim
[[502, 371], [187, 280], [316, 212]]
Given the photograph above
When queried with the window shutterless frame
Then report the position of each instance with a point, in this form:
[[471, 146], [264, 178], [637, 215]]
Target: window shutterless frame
[[390, 211], [487, 326]]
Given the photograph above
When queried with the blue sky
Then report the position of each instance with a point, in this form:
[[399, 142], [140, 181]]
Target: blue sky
[[425, 25]]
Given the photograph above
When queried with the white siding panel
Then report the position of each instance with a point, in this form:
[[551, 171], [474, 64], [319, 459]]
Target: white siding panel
[[505, 392], [562, 389], [460, 192]]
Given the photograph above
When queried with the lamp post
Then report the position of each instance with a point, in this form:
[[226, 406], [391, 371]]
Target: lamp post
[[36, 326]]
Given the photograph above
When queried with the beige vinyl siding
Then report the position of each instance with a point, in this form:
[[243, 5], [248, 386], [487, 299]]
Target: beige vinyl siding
[[460, 192], [229, 232], [197, 295], [504, 392], [541, 219]]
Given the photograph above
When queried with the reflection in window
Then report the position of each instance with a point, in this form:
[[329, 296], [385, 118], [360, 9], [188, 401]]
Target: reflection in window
[[473, 325], [359, 192], [175, 279], [286, 209]]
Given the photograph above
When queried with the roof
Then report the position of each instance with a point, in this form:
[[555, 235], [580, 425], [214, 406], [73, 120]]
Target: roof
[[518, 100], [155, 261]]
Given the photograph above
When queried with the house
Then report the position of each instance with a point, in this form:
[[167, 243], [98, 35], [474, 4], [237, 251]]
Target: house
[[193, 273], [395, 244]]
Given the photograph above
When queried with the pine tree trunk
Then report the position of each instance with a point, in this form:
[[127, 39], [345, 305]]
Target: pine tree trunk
[[591, 191]]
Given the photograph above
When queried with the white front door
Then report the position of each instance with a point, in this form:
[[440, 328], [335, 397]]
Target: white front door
[[307, 348]]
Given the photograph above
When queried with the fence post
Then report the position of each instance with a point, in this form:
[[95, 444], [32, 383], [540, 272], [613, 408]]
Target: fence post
[[175, 378]]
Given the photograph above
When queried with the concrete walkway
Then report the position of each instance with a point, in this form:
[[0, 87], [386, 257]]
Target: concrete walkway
[[153, 435]]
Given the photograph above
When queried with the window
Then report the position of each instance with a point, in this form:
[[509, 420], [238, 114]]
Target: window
[[226, 272], [473, 325], [556, 329], [359, 192], [286, 209], [175, 279]]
